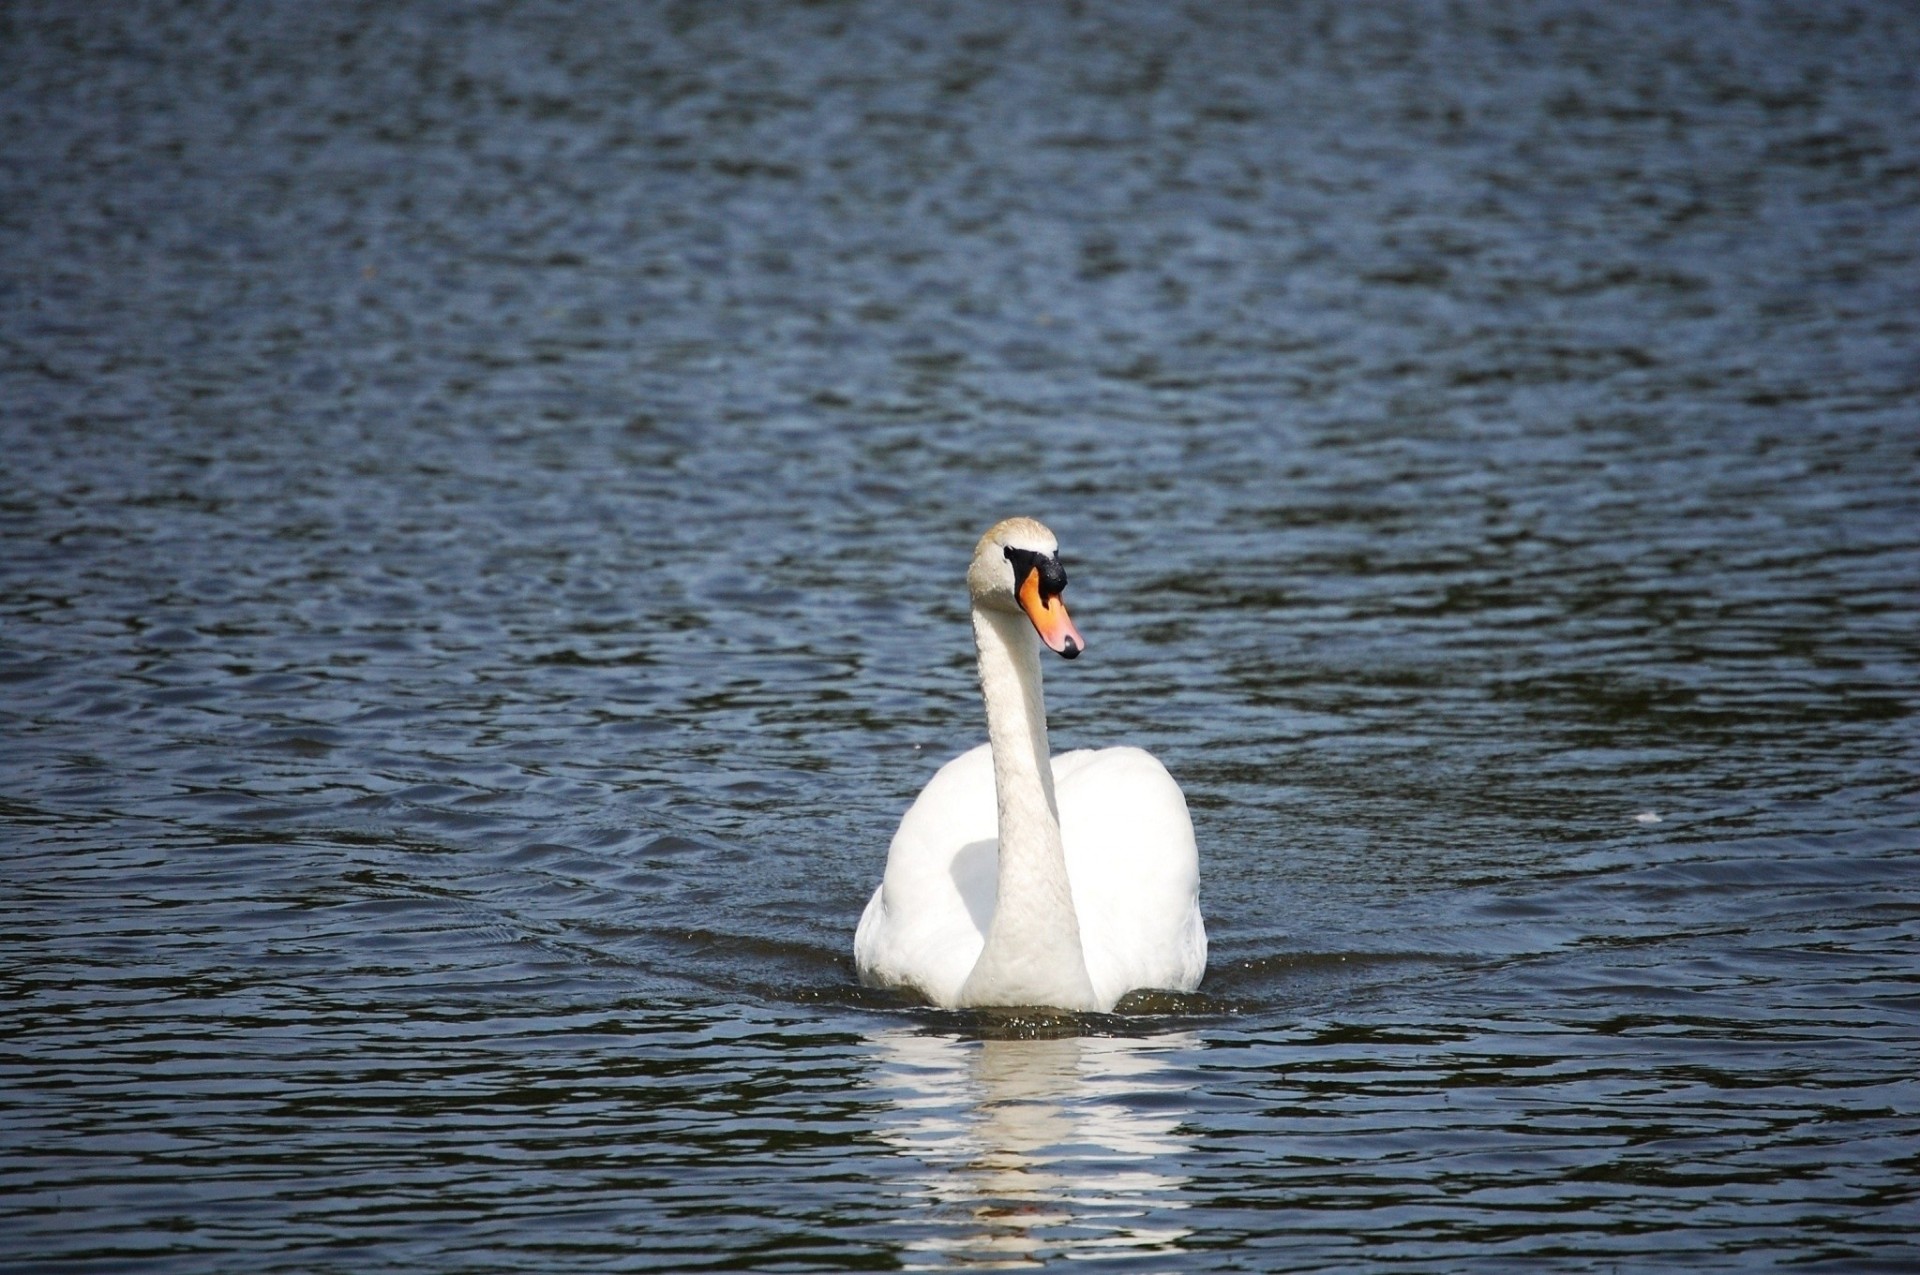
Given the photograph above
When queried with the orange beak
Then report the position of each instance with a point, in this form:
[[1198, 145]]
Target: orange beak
[[1050, 618]]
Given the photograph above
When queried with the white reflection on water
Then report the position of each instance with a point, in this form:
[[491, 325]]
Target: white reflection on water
[[1035, 1148]]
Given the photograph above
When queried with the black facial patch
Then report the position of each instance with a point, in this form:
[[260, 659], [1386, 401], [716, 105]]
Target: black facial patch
[[1053, 576]]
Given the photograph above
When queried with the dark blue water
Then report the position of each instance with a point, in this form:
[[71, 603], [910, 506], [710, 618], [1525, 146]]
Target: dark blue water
[[483, 504]]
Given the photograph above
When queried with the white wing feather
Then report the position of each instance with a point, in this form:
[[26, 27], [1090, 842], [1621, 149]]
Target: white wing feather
[[1131, 861]]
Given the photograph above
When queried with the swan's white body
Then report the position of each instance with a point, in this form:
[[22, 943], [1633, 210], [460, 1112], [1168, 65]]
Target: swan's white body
[[1018, 878]]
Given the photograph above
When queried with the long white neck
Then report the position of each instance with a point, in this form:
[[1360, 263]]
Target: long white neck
[[1032, 954]]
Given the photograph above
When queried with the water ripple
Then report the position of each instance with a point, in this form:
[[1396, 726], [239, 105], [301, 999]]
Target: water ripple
[[485, 495]]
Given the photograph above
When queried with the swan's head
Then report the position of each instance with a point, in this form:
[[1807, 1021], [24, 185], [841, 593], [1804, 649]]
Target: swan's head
[[1016, 567]]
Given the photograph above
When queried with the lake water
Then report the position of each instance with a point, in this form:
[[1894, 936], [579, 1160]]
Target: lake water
[[486, 492]]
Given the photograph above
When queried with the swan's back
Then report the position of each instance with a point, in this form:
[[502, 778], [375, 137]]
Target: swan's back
[[1131, 862]]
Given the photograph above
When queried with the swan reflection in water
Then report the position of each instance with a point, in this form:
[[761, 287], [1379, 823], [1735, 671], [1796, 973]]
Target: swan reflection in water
[[1036, 1148]]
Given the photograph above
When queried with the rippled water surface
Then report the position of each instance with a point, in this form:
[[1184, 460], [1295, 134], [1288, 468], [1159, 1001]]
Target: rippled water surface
[[486, 489]]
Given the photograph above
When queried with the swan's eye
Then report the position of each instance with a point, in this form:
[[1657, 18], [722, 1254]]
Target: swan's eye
[[1053, 576], [1022, 560]]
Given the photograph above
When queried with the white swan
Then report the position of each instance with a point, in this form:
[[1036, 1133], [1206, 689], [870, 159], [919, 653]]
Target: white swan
[[1016, 882]]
